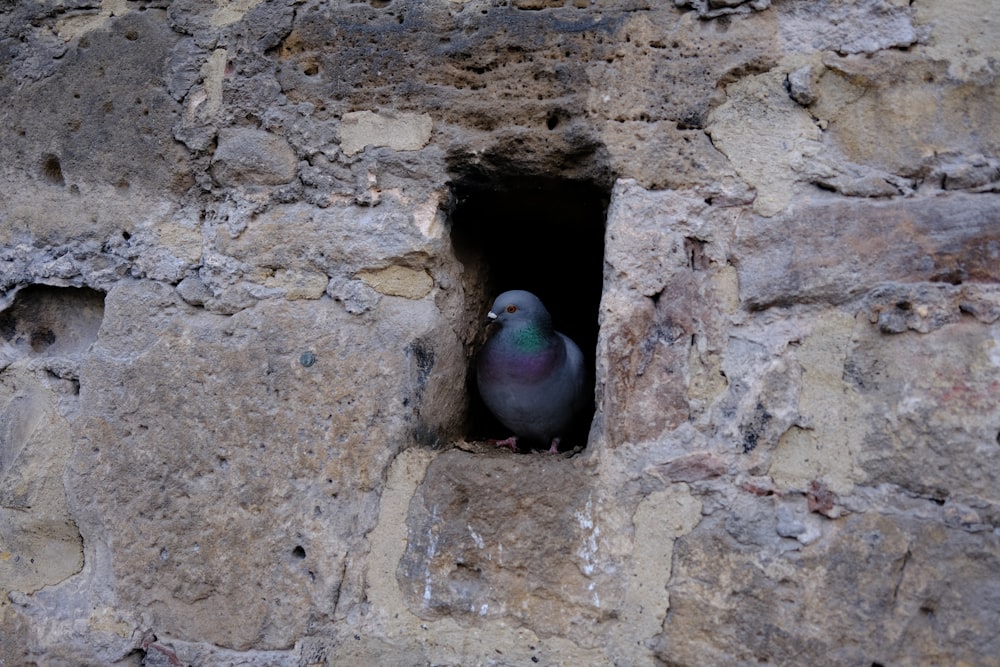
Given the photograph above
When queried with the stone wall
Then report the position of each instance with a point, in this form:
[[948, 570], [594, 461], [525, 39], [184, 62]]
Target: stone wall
[[245, 248]]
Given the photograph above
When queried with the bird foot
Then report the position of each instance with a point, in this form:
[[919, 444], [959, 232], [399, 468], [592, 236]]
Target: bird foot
[[508, 442], [554, 448]]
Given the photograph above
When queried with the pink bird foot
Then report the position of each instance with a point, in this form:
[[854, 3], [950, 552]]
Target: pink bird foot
[[509, 442], [554, 448]]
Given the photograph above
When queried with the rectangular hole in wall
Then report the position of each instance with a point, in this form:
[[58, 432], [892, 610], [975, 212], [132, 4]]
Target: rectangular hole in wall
[[540, 234]]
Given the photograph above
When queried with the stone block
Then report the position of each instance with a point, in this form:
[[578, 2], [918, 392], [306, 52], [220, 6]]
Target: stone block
[[401, 132], [832, 251], [253, 157]]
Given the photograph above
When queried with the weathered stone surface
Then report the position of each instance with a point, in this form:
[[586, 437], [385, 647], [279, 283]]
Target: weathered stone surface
[[41, 543], [879, 589], [483, 537], [831, 251], [716, 8], [399, 281], [935, 419], [958, 39], [469, 638], [298, 284], [93, 132], [821, 445], [765, 135], [299, 486], [404, 132], [251, 157], [258, 449], [895, 127], [331, 240], [844, 27], [663, 261]]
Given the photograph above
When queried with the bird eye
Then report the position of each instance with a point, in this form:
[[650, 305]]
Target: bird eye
[[511, 308]]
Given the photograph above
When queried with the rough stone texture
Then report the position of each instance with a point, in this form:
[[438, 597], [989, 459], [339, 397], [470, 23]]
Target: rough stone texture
[[911, 582], [238, 314], [252, 157], [948, 240], [405, 132], [504, 546]]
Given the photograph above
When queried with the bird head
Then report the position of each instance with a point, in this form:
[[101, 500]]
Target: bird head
[[518, 306]]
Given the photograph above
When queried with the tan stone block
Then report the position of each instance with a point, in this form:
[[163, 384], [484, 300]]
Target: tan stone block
[[399, 131]]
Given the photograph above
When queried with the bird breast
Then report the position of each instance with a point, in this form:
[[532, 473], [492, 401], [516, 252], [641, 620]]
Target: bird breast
[[520, 367]]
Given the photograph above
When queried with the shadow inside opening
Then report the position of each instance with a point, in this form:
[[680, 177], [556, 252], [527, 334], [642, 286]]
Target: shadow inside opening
[[542, 235]]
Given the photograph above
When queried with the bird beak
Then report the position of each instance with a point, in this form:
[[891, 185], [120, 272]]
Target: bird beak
[[491, 317]]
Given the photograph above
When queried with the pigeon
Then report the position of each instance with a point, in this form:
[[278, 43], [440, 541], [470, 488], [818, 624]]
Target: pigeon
[[531, 377]]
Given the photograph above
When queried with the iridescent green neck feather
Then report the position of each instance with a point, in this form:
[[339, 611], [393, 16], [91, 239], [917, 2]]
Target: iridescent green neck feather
[[530, 338]]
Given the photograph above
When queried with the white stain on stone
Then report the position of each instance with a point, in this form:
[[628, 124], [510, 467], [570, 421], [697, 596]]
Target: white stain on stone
[[428, 217], [432, 544], [588, 550], [994, 352], [476, 537]]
